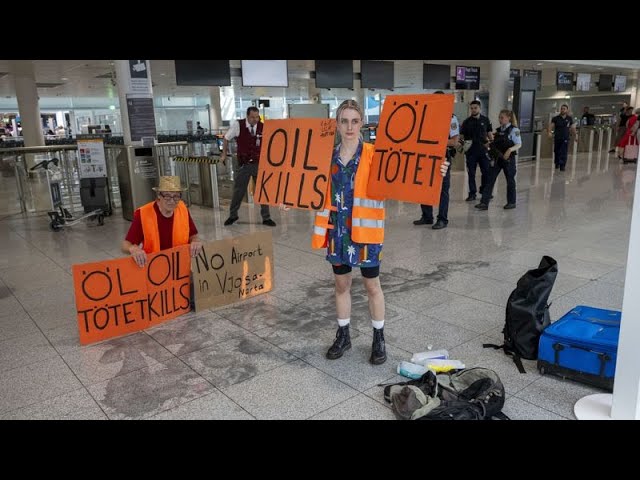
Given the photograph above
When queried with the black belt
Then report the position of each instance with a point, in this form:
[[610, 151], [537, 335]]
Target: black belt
[[244, 160]]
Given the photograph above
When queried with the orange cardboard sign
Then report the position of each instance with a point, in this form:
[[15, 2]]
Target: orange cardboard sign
[[410, 147], [295, 160], [114, 297]]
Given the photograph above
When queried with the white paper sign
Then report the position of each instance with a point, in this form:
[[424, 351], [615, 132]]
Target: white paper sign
[[92, 162]]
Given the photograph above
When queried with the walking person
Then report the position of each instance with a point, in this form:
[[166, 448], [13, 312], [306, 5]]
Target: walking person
[[248, 135], [561, 128]]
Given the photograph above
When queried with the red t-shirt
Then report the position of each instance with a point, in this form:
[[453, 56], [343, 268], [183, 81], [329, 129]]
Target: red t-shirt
[[165, 227]]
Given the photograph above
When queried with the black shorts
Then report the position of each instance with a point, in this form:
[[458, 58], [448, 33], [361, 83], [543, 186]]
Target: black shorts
[[367, 272]]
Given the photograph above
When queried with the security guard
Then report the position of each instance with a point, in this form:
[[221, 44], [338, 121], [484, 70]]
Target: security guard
[[443, 206], [562, 125], [478, 129], [506, 142]]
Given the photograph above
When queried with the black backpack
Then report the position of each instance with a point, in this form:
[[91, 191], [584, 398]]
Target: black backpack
[[527, 313], [469, 394]]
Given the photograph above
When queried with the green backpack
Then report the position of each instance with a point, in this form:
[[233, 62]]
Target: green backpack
[[469, 394]]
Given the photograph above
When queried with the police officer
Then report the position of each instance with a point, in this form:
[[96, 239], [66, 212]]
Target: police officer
[[562, 125], [443, 206], [478, 129], [506, 142]]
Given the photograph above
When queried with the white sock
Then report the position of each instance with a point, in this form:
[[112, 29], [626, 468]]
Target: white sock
[[343, 322], [377, 324]]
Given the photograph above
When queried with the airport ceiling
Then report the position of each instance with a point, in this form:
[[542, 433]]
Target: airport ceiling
[[96, 78]]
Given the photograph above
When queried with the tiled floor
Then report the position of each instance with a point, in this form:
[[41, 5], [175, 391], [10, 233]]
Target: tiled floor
[[264, 358]]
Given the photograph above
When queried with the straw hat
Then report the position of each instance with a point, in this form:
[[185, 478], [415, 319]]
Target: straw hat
[[169, 184]]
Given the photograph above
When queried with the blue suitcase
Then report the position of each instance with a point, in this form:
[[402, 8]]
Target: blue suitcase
[[582, 346]]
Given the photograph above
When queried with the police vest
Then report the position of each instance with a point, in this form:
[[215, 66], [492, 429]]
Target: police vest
[[248, 147], [367, 216], [501, 141], [151, 232]]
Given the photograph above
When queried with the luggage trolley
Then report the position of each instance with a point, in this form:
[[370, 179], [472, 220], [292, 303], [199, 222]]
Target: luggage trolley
[[61, 217]]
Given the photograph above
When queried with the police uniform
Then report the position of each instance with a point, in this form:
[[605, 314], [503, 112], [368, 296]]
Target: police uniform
[[476, 130], [505, 137], [443, 206], [561, 129]]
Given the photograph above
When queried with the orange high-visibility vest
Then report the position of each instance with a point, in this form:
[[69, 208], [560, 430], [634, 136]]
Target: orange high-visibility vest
[[367, 217], [151, 233]]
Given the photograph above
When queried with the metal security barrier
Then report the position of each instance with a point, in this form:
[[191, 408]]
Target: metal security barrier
[[165, 153], [198, 183], [31, 186], [112, 152], [23, 189]]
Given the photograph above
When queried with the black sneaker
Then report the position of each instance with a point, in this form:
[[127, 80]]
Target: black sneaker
[[378, 350], [482, 206], [230, 221], [470, 198], [509, 206], [439, 224], [269, 223], [341, 343], [423, 221]]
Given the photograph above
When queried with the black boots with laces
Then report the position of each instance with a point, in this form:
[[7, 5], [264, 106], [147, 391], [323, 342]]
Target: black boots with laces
[[341, 344], [378, 351]]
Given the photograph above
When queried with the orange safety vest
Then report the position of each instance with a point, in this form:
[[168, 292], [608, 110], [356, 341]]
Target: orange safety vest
[[367, 217], [151, 233]]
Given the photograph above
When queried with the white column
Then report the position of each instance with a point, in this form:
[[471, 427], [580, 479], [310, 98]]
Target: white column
[[626, 389], [27, 96], [498, 87], [624, 404], [122, 76], [216, 108], [133, 88]]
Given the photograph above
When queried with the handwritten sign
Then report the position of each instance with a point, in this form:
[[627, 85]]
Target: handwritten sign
[[410, 147], [232, 269], [115, 297], [295, 159]]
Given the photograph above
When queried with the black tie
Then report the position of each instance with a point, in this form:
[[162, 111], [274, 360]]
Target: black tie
[[253, 131]]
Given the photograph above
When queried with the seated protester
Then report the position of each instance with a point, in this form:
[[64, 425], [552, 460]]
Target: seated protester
[[502, 155], [162, 224]]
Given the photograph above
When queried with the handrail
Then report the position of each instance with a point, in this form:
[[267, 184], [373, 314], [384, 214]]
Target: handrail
[[175, 144], [40, 149]]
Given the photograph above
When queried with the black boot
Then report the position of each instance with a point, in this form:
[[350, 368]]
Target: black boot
[[342, 343], [378, 351]]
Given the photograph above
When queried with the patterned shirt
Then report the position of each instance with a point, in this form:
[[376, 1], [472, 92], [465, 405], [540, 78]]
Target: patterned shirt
[[341, 249]]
